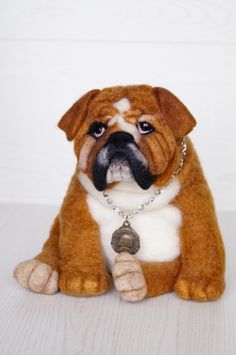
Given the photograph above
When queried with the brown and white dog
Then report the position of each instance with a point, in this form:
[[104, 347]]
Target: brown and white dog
[[128, 140]]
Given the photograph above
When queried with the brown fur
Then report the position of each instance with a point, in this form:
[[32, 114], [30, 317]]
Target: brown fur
[[73, 247]]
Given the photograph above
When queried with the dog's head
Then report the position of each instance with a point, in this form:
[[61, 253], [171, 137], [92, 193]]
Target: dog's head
[[127, 133]]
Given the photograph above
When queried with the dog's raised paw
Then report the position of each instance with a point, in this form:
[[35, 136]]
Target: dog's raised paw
[[129, 278], [37, 276]]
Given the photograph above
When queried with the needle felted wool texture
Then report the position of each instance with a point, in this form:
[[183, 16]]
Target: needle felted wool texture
[[76, 258]]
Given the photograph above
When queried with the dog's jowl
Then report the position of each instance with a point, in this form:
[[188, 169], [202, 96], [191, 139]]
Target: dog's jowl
[[138, 211]]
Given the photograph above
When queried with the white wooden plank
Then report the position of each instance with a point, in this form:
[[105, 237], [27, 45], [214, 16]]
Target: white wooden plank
[[39, 81], [63, 325], [133, 20]]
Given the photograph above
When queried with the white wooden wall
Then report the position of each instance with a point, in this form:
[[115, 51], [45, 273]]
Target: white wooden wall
[[51, 52]]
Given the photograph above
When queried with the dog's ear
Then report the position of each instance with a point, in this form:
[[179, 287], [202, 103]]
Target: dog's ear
[[177, 116], [73, 118]]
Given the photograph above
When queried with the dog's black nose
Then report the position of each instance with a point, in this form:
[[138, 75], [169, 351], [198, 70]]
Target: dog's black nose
[[120, 138]]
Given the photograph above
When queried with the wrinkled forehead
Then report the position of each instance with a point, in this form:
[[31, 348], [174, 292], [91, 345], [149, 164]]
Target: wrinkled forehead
[[111, 102]]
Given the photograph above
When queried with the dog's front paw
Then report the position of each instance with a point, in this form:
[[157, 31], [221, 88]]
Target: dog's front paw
[[129, 278], [37, 276], [84, 283], [200, 289]]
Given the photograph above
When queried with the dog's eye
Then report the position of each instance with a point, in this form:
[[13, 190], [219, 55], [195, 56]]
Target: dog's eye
[[97, 129], [145, 127]]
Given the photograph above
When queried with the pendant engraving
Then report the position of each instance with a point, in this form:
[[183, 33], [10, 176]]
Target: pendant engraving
[[125, 239]]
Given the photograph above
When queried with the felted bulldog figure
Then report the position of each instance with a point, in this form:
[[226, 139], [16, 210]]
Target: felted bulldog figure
[[138, 210]]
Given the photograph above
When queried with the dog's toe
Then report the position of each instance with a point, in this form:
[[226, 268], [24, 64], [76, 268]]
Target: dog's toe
[[133, 296], [23, 271], [51, 286], [39, 277]]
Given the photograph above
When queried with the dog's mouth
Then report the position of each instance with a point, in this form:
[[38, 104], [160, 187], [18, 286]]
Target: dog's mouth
[[124, 164], [119, 170]]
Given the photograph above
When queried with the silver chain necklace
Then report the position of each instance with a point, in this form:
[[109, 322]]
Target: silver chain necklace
[[126, 238]]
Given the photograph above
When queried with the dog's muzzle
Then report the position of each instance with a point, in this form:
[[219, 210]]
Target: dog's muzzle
[[121, 160]]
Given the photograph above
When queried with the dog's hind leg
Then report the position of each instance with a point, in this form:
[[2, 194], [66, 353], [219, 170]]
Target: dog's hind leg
[[50, 252], [41, 273], [161, 276]]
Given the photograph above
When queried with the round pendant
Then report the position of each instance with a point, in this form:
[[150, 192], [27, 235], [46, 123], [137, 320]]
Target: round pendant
[[125, 239]]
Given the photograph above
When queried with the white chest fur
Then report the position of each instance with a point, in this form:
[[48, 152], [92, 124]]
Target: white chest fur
[[157, 225]]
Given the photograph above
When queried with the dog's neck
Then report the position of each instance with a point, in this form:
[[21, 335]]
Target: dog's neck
[[128, 195]]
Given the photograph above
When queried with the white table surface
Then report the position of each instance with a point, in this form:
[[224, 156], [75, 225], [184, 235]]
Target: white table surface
[[32, 324]]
